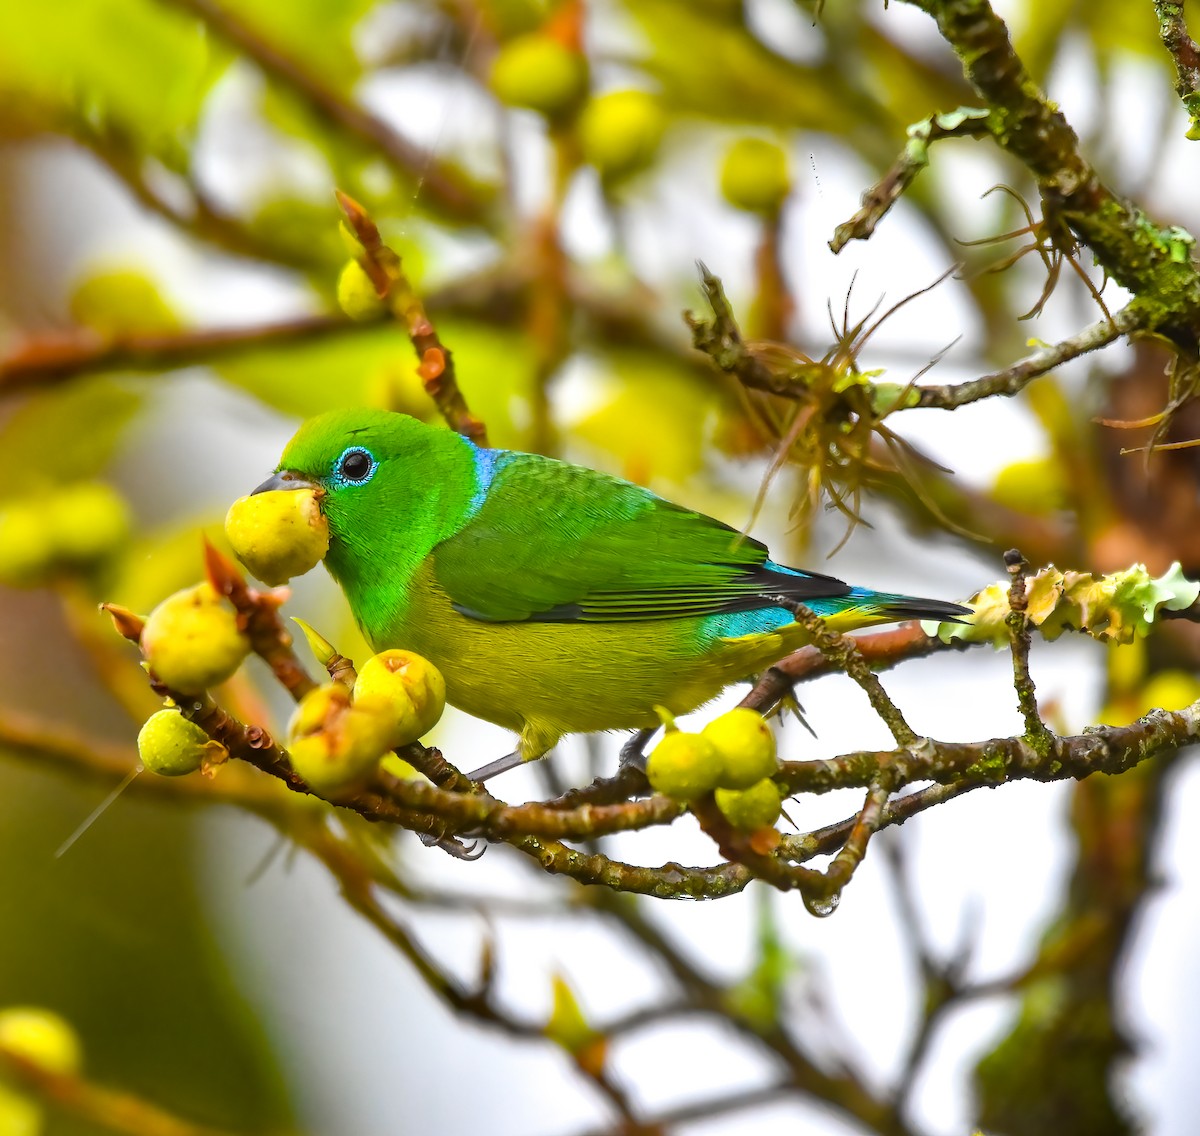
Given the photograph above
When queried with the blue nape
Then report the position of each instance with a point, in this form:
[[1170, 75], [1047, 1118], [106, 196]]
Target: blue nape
[[487, 464]]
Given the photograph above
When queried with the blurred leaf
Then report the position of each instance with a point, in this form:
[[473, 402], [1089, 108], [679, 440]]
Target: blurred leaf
[[317, 34], [133, 61], [116, 938], [64, 434], [707, 65], [657, 421], [759, 996]]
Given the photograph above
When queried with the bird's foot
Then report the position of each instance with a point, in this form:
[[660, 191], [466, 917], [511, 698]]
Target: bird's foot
[[789, 701], [452, 846], [500, 765], [633, 751]]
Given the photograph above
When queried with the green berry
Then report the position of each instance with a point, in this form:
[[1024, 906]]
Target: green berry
[[405, 686], [278, 534], [750, 809], [539, 72], [192, 640], [172, 746], [41, 1037], [87, 522], [683, 766], [755, 176], [620, 132], [26, 545], [745, 745], [356, 294]]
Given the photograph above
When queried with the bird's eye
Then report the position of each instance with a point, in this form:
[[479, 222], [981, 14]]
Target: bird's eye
[[356, 466]]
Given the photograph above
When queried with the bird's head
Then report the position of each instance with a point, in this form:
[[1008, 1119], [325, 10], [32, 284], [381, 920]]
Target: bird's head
[[381, 478]]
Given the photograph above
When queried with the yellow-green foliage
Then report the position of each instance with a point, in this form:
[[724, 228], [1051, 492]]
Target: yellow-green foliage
[[1117, 608]]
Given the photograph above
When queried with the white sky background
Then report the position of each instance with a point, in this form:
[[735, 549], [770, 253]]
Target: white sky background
[[363, 1040]]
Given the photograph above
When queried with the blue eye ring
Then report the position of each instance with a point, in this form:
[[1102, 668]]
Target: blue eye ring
[[354, 466]]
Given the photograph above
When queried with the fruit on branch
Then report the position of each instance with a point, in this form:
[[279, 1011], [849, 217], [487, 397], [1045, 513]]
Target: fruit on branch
[[753, 808], [46, 1040], [539, 72], [356, 294], [26, 550], [279, 533], [684, 766], [192, 640], [334, 744], [755, 176], [1034, 486], [87, 522], [172, 746], [405, 687], [745, 745], [41, 1037], [73, 527], [620, 132]]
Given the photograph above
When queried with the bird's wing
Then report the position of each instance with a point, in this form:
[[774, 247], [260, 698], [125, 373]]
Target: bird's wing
[[560, 543]]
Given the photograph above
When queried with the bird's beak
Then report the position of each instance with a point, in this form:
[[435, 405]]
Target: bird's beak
[[286, 479]]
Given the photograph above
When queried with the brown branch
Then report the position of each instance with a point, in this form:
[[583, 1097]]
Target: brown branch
[[843, 651], [1172, 29], [1012, 380], [966, 122], [1018, 628], [880, 649], [1153, 262], [436, 368], [110, 1109], [46, 358], [259, 617]]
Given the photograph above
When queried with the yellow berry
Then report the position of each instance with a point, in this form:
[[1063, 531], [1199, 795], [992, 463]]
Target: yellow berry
[[407, 687], [1168, 690], [539, 72], [278, 534], [192, 640], [755, 176], [26, 546], [620, 132], [86, 522], [172, 746], [19, 1115], [42, 1037], [319, 705], [334, 744], [745, 745], [356, 294], [750, 809], [1034, 486], [683, 766]]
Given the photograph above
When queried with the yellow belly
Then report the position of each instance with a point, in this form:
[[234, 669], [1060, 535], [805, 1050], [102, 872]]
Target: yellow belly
[[544, 680]]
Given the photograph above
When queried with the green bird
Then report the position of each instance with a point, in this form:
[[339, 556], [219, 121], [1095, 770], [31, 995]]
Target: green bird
[[553, 598]]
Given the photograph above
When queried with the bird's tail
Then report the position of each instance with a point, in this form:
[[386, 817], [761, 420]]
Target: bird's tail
[[884, 606]]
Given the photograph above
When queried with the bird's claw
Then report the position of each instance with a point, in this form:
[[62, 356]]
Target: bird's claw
[[633, 751], [452, 846]]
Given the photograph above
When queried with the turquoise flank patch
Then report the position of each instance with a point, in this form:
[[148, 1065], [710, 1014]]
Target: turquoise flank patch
[[735, 624], [764, 620], [488, 463]]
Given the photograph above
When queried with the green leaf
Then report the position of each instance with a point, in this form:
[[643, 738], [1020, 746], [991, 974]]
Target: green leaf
[[64, 434], [133, 63]]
